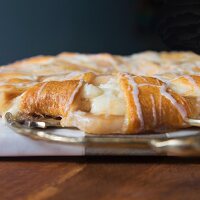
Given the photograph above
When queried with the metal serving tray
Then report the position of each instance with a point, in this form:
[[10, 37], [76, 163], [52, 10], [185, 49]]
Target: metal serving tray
[[179, 143]]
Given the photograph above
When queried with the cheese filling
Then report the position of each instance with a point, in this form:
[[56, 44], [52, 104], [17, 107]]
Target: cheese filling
[[105, 99]]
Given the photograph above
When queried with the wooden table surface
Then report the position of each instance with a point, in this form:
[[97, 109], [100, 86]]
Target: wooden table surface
[[100, 178]]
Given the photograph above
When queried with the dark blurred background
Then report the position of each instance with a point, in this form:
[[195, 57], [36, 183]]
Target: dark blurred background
[[32, 27]]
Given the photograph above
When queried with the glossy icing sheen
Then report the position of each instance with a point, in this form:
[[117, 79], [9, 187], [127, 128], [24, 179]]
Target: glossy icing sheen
[[105, 98]]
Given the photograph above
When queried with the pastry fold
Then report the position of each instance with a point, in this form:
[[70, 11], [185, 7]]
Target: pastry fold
[[97, 93], [50, 98], [53, 98], [137, 104], [152, 106]]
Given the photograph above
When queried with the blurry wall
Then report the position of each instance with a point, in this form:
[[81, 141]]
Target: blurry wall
[[32, 27]]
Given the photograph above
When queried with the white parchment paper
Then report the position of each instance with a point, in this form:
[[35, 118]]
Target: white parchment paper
[[13, 144]]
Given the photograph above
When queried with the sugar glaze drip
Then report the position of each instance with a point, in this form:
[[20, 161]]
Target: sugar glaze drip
[[192, 81], [153, 110], [135, 93], [179, 107], [73, 95]]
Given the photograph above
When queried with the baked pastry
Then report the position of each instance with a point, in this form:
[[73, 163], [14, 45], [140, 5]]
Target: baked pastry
[[99, 93], [104, 104]]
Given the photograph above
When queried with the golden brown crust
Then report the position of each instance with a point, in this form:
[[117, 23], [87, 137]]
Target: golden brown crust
[[53, 98], [31, 60], [186, 85], [148, 109], [7, 94], [151, 106], [151, 103], [102, 62], [178, 56], [50, 98], [87, 77], [6, 76]]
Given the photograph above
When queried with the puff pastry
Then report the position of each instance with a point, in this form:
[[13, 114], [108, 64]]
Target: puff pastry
[[105, 94]]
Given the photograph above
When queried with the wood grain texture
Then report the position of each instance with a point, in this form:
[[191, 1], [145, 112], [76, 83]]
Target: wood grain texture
[[100, 178]]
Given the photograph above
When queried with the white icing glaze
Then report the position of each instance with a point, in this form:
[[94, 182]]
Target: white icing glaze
[[135, 93], [73, 95], [179, 66], [159, 78], [153, 110], [178, 106], [63, 77], [19, 85], [147, 84], [185, 89], [40, 90], [143, 78], [84, 61], [192, 81], [160, 107]]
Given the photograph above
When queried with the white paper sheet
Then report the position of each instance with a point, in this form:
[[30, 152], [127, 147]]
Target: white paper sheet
[[13, 144]]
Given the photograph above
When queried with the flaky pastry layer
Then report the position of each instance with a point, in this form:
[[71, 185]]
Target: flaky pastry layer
[[104, 93]]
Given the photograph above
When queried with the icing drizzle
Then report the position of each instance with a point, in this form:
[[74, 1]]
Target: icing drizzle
[[179, 107], [192, 81], [73, 95], [135, 93], [163, 92], [153, 110]]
